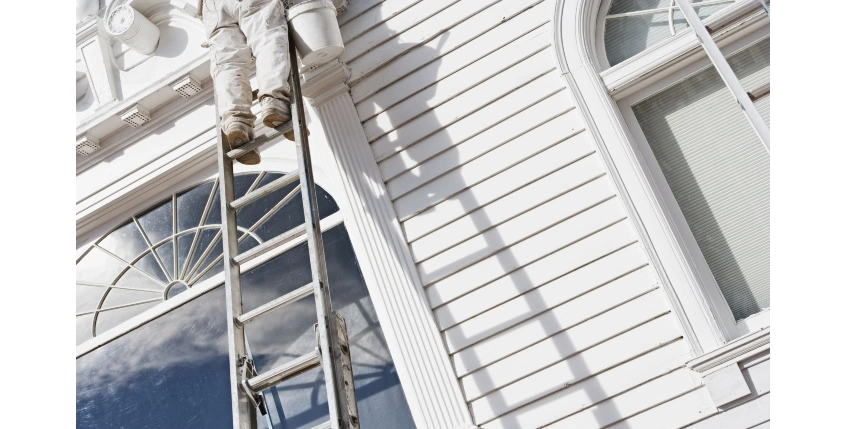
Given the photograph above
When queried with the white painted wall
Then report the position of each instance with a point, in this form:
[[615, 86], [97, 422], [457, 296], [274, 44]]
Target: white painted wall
[[545, 300]]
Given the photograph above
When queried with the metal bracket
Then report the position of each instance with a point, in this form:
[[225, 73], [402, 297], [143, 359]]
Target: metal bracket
[[249, 371]]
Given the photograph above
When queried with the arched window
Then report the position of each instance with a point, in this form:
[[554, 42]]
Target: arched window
[[632, 26], [172, 369], [682, 115]]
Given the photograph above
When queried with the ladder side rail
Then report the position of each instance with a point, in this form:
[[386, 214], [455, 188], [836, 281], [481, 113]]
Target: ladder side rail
[[243, 412], [327, 328]]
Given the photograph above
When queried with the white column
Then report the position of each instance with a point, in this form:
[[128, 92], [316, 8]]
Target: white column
[[431, 388]]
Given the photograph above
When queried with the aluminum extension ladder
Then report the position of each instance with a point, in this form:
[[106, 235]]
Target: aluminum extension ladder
[[332, 351]]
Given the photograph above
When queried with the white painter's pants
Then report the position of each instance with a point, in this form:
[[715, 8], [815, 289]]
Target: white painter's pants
[[238, 29]]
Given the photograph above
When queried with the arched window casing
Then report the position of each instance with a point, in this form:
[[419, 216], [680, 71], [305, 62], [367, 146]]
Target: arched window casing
[[687, 163]]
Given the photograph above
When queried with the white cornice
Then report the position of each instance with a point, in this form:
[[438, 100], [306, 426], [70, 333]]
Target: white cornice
[[165, 80], [124, 136]]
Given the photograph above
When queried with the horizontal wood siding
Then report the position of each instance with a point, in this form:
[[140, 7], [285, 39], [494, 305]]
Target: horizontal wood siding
[[545, 300]]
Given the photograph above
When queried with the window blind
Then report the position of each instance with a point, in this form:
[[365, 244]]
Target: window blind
[[626, 36], [718, 172]]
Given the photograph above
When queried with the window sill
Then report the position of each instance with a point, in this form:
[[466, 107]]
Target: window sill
[[731, 353]]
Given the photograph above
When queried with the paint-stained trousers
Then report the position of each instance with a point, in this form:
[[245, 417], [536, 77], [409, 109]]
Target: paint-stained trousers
[[238, 30]]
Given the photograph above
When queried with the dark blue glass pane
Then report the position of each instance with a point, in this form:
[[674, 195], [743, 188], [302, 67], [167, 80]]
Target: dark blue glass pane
[[170, 373], [248, 215], [149, 265], [206, 238], [158, 222], [125, 242], [165, 252], [288, 333], [190, 206]]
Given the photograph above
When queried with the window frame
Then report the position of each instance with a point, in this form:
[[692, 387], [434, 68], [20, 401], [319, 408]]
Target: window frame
[[603, 95], [602, 57], [201, 287], [680, 228]]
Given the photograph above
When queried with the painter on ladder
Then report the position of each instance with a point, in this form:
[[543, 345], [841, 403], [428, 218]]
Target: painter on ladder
[[237, 31]]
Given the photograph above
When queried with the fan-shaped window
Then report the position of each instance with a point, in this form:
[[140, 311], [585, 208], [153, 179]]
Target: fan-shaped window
[[173, 371], [169, 248], [632, 26]]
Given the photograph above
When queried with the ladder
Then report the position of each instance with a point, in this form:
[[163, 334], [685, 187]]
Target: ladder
[[332, 351]]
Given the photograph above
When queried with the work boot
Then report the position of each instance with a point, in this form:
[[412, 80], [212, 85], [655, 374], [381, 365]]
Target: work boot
[[238, 134], [275, 112]]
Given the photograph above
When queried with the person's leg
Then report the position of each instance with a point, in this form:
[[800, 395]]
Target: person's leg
[[264, 23], [230, 58]]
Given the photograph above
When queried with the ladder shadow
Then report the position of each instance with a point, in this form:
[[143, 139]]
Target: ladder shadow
[[493, 241]]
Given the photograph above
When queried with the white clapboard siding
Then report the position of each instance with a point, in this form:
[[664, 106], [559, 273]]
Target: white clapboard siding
[[632, 402], [592, 361], [505, 208], [746, 415], [357, 8], [419, 34], [474, 98], [561, 346], [572, 143], [524, 226], [452, 50], [372, 17], [459, 108], [750, 411], [438, 90], [544, 298], [541, 299], [410, 153], [513, 179], [538, 328], [583, 260], [669, 415], [662, 364], [514, 128], [607, 215], [447, 251], [393, 25]]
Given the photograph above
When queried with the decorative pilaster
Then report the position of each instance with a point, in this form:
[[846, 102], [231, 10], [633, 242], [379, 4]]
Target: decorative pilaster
[[430, 385]]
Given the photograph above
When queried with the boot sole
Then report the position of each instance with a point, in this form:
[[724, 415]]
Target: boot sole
[[250, 158], [238, 138], [274, 119]]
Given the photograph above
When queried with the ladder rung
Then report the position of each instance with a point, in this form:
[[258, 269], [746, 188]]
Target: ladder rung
[[276, 303], [279, 374], [292, 234], [326, 425], [259, 141], [264, 191]]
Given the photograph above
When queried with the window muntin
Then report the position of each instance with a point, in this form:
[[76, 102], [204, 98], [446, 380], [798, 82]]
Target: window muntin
[[632, 26], [120, 277], [135, 379], [718, 172]]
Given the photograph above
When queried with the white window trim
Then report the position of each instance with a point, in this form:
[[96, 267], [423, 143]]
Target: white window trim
[[679, 227], [347, 170], [699, 308]]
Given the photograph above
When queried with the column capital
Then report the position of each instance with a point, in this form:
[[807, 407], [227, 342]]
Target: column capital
[[325, 83]]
